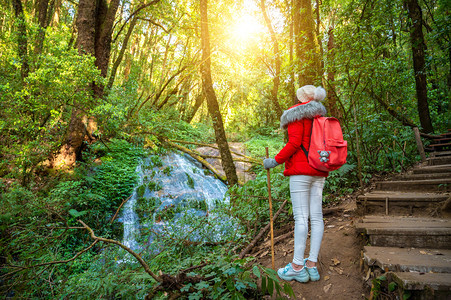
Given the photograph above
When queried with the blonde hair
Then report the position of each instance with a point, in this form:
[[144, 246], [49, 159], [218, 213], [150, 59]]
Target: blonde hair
[[310, 92]]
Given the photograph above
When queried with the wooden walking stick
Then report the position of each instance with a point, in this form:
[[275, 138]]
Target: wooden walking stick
[[270, 212]]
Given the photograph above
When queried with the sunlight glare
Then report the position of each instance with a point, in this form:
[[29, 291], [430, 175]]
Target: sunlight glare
[[246, 28]]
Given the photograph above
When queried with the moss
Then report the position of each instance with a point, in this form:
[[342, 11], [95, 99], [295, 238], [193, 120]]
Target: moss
[[153, 186], [198, 204], [167, 171], [146, 206], [190, 182], [140, 191]]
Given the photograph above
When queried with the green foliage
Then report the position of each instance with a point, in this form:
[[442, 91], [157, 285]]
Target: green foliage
[[274, 141], [250, 205], [38, 218], [33, 113]]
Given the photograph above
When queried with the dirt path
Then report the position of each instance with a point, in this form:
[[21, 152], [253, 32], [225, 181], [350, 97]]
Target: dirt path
[[339, 259]]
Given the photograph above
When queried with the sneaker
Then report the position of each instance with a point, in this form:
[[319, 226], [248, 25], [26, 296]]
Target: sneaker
[[312, 272], [288, 273]]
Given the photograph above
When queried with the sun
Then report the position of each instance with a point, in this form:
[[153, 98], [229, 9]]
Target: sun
[[247, 28]]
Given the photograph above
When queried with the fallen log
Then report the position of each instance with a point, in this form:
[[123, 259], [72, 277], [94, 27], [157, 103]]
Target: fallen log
[[198, 158], [234, 159], [251, 159]]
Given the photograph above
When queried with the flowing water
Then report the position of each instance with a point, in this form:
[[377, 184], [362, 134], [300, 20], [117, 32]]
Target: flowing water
[[167, 189]]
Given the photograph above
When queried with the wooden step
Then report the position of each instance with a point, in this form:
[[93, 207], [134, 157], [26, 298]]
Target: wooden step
[[438, 147], [443, 140], [407, 203], [439, 153], [388, 231], [423, 176], [441, 160], [397, 259], [435, 286], [432, 169], [426, 185]]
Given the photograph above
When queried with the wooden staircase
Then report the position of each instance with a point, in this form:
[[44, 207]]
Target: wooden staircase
[[405, 243]]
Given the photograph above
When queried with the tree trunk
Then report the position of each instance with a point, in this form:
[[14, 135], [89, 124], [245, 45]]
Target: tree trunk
[[212, 102], [94, 25], [304, 37], [104, 28], [22, 40], [418, 49], [199, 100], [332, 105], [292, 89], [277, 62], [45, 14]]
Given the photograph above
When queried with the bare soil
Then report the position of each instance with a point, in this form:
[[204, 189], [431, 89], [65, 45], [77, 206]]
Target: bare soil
[[339, 259]]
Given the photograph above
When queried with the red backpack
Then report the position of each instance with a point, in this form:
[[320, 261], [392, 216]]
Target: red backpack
[[327, 150]]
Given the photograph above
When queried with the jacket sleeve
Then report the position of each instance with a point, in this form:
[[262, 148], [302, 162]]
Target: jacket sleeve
[[295, 136]]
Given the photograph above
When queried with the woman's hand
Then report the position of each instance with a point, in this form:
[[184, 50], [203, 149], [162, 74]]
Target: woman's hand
[[269, 163]]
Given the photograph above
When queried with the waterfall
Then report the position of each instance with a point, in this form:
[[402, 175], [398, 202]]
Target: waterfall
[[166, 190], [130, 219]]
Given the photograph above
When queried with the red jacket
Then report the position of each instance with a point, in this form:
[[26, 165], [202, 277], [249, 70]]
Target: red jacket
[[298, 120]]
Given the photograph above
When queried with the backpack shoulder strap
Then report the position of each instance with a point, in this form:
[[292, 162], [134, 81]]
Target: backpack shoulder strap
[[302, 146]]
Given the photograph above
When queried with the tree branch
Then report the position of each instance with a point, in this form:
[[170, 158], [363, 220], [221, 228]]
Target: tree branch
[[135, 255], [132, 14], [404, 120], [52, 262]]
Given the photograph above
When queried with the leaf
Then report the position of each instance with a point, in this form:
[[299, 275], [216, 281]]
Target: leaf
[[264, 287], [202, 285], [288, 290], [327, 287], [186, 287], [256, 271], [270, 286], [76, 214], [392, 286], [239, 285], [335, 261], [277, 285], [230, 285]]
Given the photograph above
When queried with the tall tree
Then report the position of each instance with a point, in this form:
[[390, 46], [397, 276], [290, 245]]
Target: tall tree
[[419, 65], [332, 105], [95, 20], [44, 16], [277, 61], [212, 101], [305, 45], [22, 39]]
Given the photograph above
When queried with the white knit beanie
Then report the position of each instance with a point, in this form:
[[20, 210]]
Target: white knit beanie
[[310, 92]]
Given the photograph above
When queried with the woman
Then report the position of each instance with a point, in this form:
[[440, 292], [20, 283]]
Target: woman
[[306, 183]]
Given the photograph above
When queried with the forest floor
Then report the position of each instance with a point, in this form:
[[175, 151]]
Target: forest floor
[[339, 258]]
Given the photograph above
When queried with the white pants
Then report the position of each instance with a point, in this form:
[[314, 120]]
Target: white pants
[[307, 197]]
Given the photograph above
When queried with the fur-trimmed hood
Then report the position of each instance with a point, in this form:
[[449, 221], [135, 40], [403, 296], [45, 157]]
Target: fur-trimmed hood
[[298, 112]]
